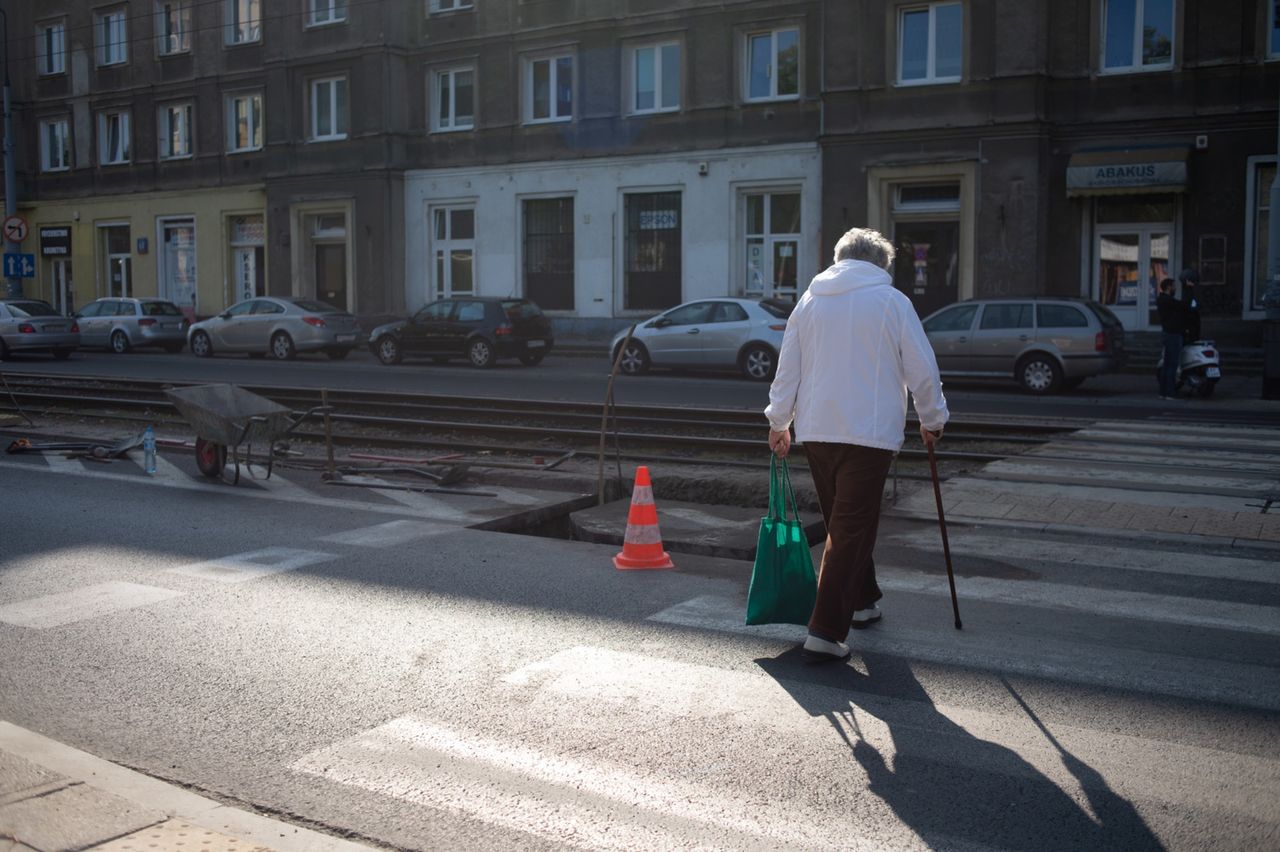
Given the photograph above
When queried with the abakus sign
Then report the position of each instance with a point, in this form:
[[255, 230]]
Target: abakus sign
[[1093, 172]]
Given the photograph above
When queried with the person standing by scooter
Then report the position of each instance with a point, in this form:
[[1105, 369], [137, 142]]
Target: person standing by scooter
[[1189, 281], [1173, 322]]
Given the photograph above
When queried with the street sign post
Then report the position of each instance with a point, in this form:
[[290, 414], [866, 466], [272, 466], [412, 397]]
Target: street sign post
[[18, 265]]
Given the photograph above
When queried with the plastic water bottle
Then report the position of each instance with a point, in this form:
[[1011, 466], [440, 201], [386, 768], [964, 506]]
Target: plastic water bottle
[[149, 451]]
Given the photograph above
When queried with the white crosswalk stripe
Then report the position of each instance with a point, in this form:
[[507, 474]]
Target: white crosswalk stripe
[[81, 604], [250, 566]]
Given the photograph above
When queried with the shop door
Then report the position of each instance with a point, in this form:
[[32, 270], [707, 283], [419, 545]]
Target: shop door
[[927, 264], [60, 273], [179, 264], [1130, 261], [331, 274]]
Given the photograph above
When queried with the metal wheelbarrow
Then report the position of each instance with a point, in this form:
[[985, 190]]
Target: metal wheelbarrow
[[227, 417]]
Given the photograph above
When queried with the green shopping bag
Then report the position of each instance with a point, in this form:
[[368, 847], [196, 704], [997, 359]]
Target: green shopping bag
[[783, 583]]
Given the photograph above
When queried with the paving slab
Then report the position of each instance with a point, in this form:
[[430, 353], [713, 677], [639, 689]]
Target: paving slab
[[74, 817], [726, 531], [18, 774]]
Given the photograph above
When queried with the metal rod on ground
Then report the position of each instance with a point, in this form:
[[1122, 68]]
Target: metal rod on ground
[[328, 433], [604, 415], [942, 524]]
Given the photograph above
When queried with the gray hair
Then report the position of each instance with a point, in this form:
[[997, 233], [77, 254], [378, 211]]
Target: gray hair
[[865, 244]]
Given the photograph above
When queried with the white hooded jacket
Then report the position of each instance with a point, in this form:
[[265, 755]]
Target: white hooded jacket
[[852, 349]]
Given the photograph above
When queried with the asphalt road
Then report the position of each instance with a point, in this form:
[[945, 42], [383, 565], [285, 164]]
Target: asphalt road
[[584, 378], [426, 686]]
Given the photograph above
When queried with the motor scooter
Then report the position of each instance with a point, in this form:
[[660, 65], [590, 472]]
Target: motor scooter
[[1199, 368]]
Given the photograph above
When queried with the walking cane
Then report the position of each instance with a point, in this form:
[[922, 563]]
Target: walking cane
[[942, 523]]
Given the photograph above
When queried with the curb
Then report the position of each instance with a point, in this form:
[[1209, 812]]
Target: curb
[[1258, 545], [152, 794]]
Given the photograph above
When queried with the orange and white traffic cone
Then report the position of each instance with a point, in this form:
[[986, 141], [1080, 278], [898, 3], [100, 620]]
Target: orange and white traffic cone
[[642, 545]]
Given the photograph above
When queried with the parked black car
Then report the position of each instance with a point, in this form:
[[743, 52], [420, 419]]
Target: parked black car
[[479, 328]]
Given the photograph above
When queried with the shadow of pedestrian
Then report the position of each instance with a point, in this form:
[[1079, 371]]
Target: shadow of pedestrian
[[950, 787]]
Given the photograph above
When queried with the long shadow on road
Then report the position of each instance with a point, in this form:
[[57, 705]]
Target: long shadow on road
[[947, 785]]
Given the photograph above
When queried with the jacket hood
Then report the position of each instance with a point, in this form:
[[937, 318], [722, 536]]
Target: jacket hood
[[848, 275]]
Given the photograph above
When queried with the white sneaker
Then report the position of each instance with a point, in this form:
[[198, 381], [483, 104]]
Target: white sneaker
[[822, 649], [865, 617]]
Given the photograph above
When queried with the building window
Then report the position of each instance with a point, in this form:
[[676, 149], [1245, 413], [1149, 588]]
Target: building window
[[329, 109], [51, 48], [455, 99], [326, 12], [654, 72], [548, 252], [437, 6], [1263, 174], [243, 21], [773, 65], [1137, 35], [175, 131], [111, 37], [653, 272], [247, 242], [549, 89], [55, 145], [244, 122], [453, 245], [118, 255], [930, 43], [772, 238], [113, 137], [1273, 42], [173, 28]]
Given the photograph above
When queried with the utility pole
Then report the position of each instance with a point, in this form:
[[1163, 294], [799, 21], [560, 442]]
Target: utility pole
[[14, 287]]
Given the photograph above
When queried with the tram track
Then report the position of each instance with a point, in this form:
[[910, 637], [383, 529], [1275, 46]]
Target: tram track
[[406, 420]]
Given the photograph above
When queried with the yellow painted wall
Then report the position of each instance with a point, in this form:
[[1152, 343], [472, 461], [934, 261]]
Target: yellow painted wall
[[142, 212]]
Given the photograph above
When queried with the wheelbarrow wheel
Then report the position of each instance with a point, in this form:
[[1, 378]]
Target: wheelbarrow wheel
[[211, 458]]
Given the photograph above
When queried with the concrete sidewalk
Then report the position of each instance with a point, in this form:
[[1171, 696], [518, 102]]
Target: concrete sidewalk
[[54, 797]]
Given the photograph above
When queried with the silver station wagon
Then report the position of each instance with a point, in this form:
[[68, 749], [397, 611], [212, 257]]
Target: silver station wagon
[[277, 326], [1044, 344], [122, 325]]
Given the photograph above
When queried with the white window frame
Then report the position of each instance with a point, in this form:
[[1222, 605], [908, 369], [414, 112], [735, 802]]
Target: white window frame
[[773, 65], [122, 155], [184, 111], [931, 77], [440, 250], [631, 78], [1135, 55], [767, 238], [437, 7], [51, 48], [452, 123], [48, 129], [111, 36], [255, 128], [552, 59], [178, 40], [323, 13], [242, 20], [337, 116]]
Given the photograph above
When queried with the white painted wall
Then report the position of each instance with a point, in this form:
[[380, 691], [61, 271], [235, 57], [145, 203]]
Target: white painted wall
[[713, 247]]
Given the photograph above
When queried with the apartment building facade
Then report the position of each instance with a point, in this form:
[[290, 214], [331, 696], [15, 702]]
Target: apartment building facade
[[609, 158]]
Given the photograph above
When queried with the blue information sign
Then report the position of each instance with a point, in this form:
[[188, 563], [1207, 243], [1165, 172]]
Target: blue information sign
[[19, 265]]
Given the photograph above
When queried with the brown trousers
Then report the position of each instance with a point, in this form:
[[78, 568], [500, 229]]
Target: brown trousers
[[849, 480]]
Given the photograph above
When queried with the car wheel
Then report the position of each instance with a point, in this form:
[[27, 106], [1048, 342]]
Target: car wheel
[[201, 345], [532, 359], [62, 354], [388, 350], [120, 342], [1039, 374], [211, 458], [758, 363], [635, 359], [282, 346], [480, 353], [337, 354], [174, 348]]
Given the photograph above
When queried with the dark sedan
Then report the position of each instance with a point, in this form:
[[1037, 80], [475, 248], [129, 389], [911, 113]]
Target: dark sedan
[[478, 328]]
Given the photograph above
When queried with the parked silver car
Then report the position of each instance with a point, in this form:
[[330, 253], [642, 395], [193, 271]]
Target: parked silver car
[[279, 326], [31, 325], [1042, 343], [743, 334], [122, 325]]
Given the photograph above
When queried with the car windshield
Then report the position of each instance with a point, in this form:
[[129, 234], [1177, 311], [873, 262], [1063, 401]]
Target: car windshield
[[31, 309], [1104, 315], [160, 309], [777, 307], [315, 307], [521, 309]]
